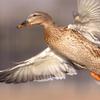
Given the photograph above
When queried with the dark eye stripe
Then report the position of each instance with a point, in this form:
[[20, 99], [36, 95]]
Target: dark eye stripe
[[35, 15]]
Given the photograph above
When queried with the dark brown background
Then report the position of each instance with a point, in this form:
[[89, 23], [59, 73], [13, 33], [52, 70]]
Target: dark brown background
[[18, 45]]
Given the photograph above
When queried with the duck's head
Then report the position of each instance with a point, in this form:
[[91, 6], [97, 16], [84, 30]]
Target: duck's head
[[37, 17]]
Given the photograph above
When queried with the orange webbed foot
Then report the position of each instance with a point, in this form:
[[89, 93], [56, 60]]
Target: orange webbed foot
[[95, 76]]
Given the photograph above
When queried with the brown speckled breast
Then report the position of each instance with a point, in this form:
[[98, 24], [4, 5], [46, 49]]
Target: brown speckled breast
[[74, 46]]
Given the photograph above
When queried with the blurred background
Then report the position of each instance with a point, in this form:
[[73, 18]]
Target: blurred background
[[18, 45]]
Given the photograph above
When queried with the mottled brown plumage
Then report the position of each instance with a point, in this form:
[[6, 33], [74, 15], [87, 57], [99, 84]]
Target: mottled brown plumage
[[74, 46]]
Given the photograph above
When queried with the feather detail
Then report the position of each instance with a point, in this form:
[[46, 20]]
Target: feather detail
[[88, 17], [45, 66]]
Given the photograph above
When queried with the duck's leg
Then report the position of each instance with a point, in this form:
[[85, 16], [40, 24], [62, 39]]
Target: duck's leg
[[95, 76]]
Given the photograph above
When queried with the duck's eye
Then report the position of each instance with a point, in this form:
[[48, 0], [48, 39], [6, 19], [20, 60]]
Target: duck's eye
[[34, 15]]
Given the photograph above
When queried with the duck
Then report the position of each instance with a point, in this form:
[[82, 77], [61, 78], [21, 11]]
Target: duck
[[71, 47]]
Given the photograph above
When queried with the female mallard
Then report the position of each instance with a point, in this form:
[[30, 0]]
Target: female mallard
[[75, 45]]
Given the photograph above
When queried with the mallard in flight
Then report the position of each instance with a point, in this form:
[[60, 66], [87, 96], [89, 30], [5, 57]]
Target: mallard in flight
[[75, 45]]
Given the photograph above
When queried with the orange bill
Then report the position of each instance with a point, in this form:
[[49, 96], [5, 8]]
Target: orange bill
[[95, 76]]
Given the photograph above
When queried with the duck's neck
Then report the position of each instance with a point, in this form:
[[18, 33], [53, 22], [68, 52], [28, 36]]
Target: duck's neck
[[51, 34], [48, 23]]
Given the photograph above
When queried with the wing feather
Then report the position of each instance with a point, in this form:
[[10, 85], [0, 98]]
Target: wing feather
[[88, 17], [45, 66]]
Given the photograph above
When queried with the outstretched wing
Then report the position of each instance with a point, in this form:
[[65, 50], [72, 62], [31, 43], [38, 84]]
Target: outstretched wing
[[45, 66], [88, 16]]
